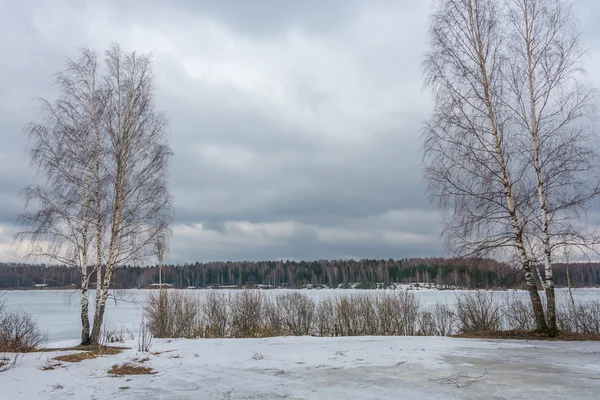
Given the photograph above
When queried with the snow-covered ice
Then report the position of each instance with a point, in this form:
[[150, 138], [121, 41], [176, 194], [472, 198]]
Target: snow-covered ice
[[323, 368]]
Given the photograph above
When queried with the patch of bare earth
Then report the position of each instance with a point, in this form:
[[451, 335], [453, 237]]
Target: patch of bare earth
[[88, 354], [529, 335], [102, 350], [130, 369], [76, 357]]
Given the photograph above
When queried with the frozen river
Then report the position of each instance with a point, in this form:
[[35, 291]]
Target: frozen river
[[57, 311]]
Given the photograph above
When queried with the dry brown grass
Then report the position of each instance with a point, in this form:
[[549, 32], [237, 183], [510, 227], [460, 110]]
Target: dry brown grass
[[74, 348], [89, 353], [130, 369], [102, 350], [76, 357], [110, 351], [50, 366]]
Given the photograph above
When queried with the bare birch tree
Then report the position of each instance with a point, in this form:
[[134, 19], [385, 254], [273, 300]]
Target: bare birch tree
[[137, 156], [552, 107], [509, 151], [62, 224], [471, 166], [102, 154]]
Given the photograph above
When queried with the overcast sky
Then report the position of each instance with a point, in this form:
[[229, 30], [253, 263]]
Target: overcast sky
[[295, 124]]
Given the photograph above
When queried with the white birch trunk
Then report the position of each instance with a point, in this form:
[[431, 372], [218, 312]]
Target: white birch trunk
[[518, 233]]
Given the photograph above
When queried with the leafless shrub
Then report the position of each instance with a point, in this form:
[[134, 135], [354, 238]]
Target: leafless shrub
[[588, 316], [19, 333], [273, 319], [249, 314], [324, 319], [398, 313], [173, 314], [216, 315], [367, 314], [296, 311], [113, 334], [445, 319], [565, 318], [478, 311], [346, 316], [426, 323], [352, 314], [437, 320], [388, 314], [519, 313], [2, 304], [367, 308], [155, 311], [144, 338], [408, 310], [580, 317], [246, 314]]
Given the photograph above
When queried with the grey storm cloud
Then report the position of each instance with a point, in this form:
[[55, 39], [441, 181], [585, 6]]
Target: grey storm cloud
[[295, 124]]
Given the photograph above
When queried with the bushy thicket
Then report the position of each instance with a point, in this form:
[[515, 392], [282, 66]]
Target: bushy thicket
[[490, 311], [580, 317], [19, 333], [250, 313]]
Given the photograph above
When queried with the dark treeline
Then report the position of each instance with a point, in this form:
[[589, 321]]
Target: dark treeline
[[469, 273]]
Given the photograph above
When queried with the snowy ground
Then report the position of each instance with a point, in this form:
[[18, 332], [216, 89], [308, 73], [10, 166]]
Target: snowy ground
[[57, 311], [323, 368]]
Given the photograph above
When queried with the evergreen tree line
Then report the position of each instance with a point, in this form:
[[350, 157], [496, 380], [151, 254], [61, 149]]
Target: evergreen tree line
[[467, 273]]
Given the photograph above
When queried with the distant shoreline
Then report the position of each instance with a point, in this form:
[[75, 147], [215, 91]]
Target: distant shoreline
[[65, 288]]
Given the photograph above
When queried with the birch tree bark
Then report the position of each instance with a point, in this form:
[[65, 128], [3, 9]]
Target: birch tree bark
[[551, 105], [137, 155]]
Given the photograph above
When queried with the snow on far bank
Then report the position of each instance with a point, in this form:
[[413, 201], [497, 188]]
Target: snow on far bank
[[323, 368]]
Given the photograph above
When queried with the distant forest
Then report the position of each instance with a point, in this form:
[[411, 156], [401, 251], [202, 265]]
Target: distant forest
[[468, 273]]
